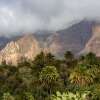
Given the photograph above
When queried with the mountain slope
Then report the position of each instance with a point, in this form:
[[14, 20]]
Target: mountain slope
[[3, 41], [93, 44], [75, 38], [26, 47], [72, 39]]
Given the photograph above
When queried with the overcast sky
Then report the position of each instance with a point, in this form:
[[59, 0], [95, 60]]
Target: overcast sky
[[27, 16]]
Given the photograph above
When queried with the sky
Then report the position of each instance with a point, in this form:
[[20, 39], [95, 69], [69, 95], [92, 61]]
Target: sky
[[29, 16]]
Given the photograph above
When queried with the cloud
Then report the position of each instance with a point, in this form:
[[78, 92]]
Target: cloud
[[28, 16]]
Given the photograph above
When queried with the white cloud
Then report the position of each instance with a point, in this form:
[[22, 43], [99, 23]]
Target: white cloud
[[30, 15]]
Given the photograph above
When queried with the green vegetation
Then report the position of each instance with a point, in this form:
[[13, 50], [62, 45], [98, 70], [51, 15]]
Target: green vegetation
[[48, 78], [70, 96]]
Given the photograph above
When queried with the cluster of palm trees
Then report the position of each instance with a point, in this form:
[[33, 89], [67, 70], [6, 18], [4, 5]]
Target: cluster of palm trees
[[43, 77]]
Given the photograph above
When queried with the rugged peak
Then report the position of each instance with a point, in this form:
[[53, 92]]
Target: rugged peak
[[93, 44], [72, 39], [27, 46], [11, 47], [96, 30]]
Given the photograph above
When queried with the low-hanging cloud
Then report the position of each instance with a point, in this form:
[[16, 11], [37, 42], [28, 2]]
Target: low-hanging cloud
[[28, 16]]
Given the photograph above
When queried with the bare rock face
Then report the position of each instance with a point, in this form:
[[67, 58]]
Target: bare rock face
[[29, 46], [72, 39], [50, 43], [53, 44], [93, 44], [26, 47]]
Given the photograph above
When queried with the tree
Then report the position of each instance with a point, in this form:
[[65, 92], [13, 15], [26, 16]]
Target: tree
[[28, 96], [64, 73], [70, 96], [49, 59], [25, 74], [43, 60], [69, 59], [8, 96], [90, 59], [49, 77], [82, 76], [39, 62], [69, 56], [49, 74]]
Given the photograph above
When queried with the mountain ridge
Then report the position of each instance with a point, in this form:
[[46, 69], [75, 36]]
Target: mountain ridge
[[72, 39]]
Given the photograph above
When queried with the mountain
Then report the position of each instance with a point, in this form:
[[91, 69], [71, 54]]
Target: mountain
[[25, 47], [72, 39], [75, 38], [93, 45], [3, 41]]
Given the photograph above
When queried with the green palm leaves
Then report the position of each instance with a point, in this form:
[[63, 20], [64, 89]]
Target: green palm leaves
[[83, 76], [49, 74], [8, 96], [70, 96]]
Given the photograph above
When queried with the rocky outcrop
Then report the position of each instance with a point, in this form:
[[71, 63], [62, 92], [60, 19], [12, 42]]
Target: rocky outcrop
[[26, 47], [72, 39], [93, 44], [76, 37]]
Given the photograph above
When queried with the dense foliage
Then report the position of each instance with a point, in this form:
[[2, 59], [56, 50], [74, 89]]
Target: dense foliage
[[70, 96], [76, 78]]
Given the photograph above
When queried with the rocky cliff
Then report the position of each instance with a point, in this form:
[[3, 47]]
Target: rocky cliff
[[72, 39], [93, 45], [25, 47]]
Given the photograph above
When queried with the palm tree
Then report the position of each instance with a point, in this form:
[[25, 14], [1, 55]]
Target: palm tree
[[38, 63], [28, 96], [70, 61], [8, 96], [69, 56], [49, 77], [82, 76], [90, 59], [49, 59], [70, 96]]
